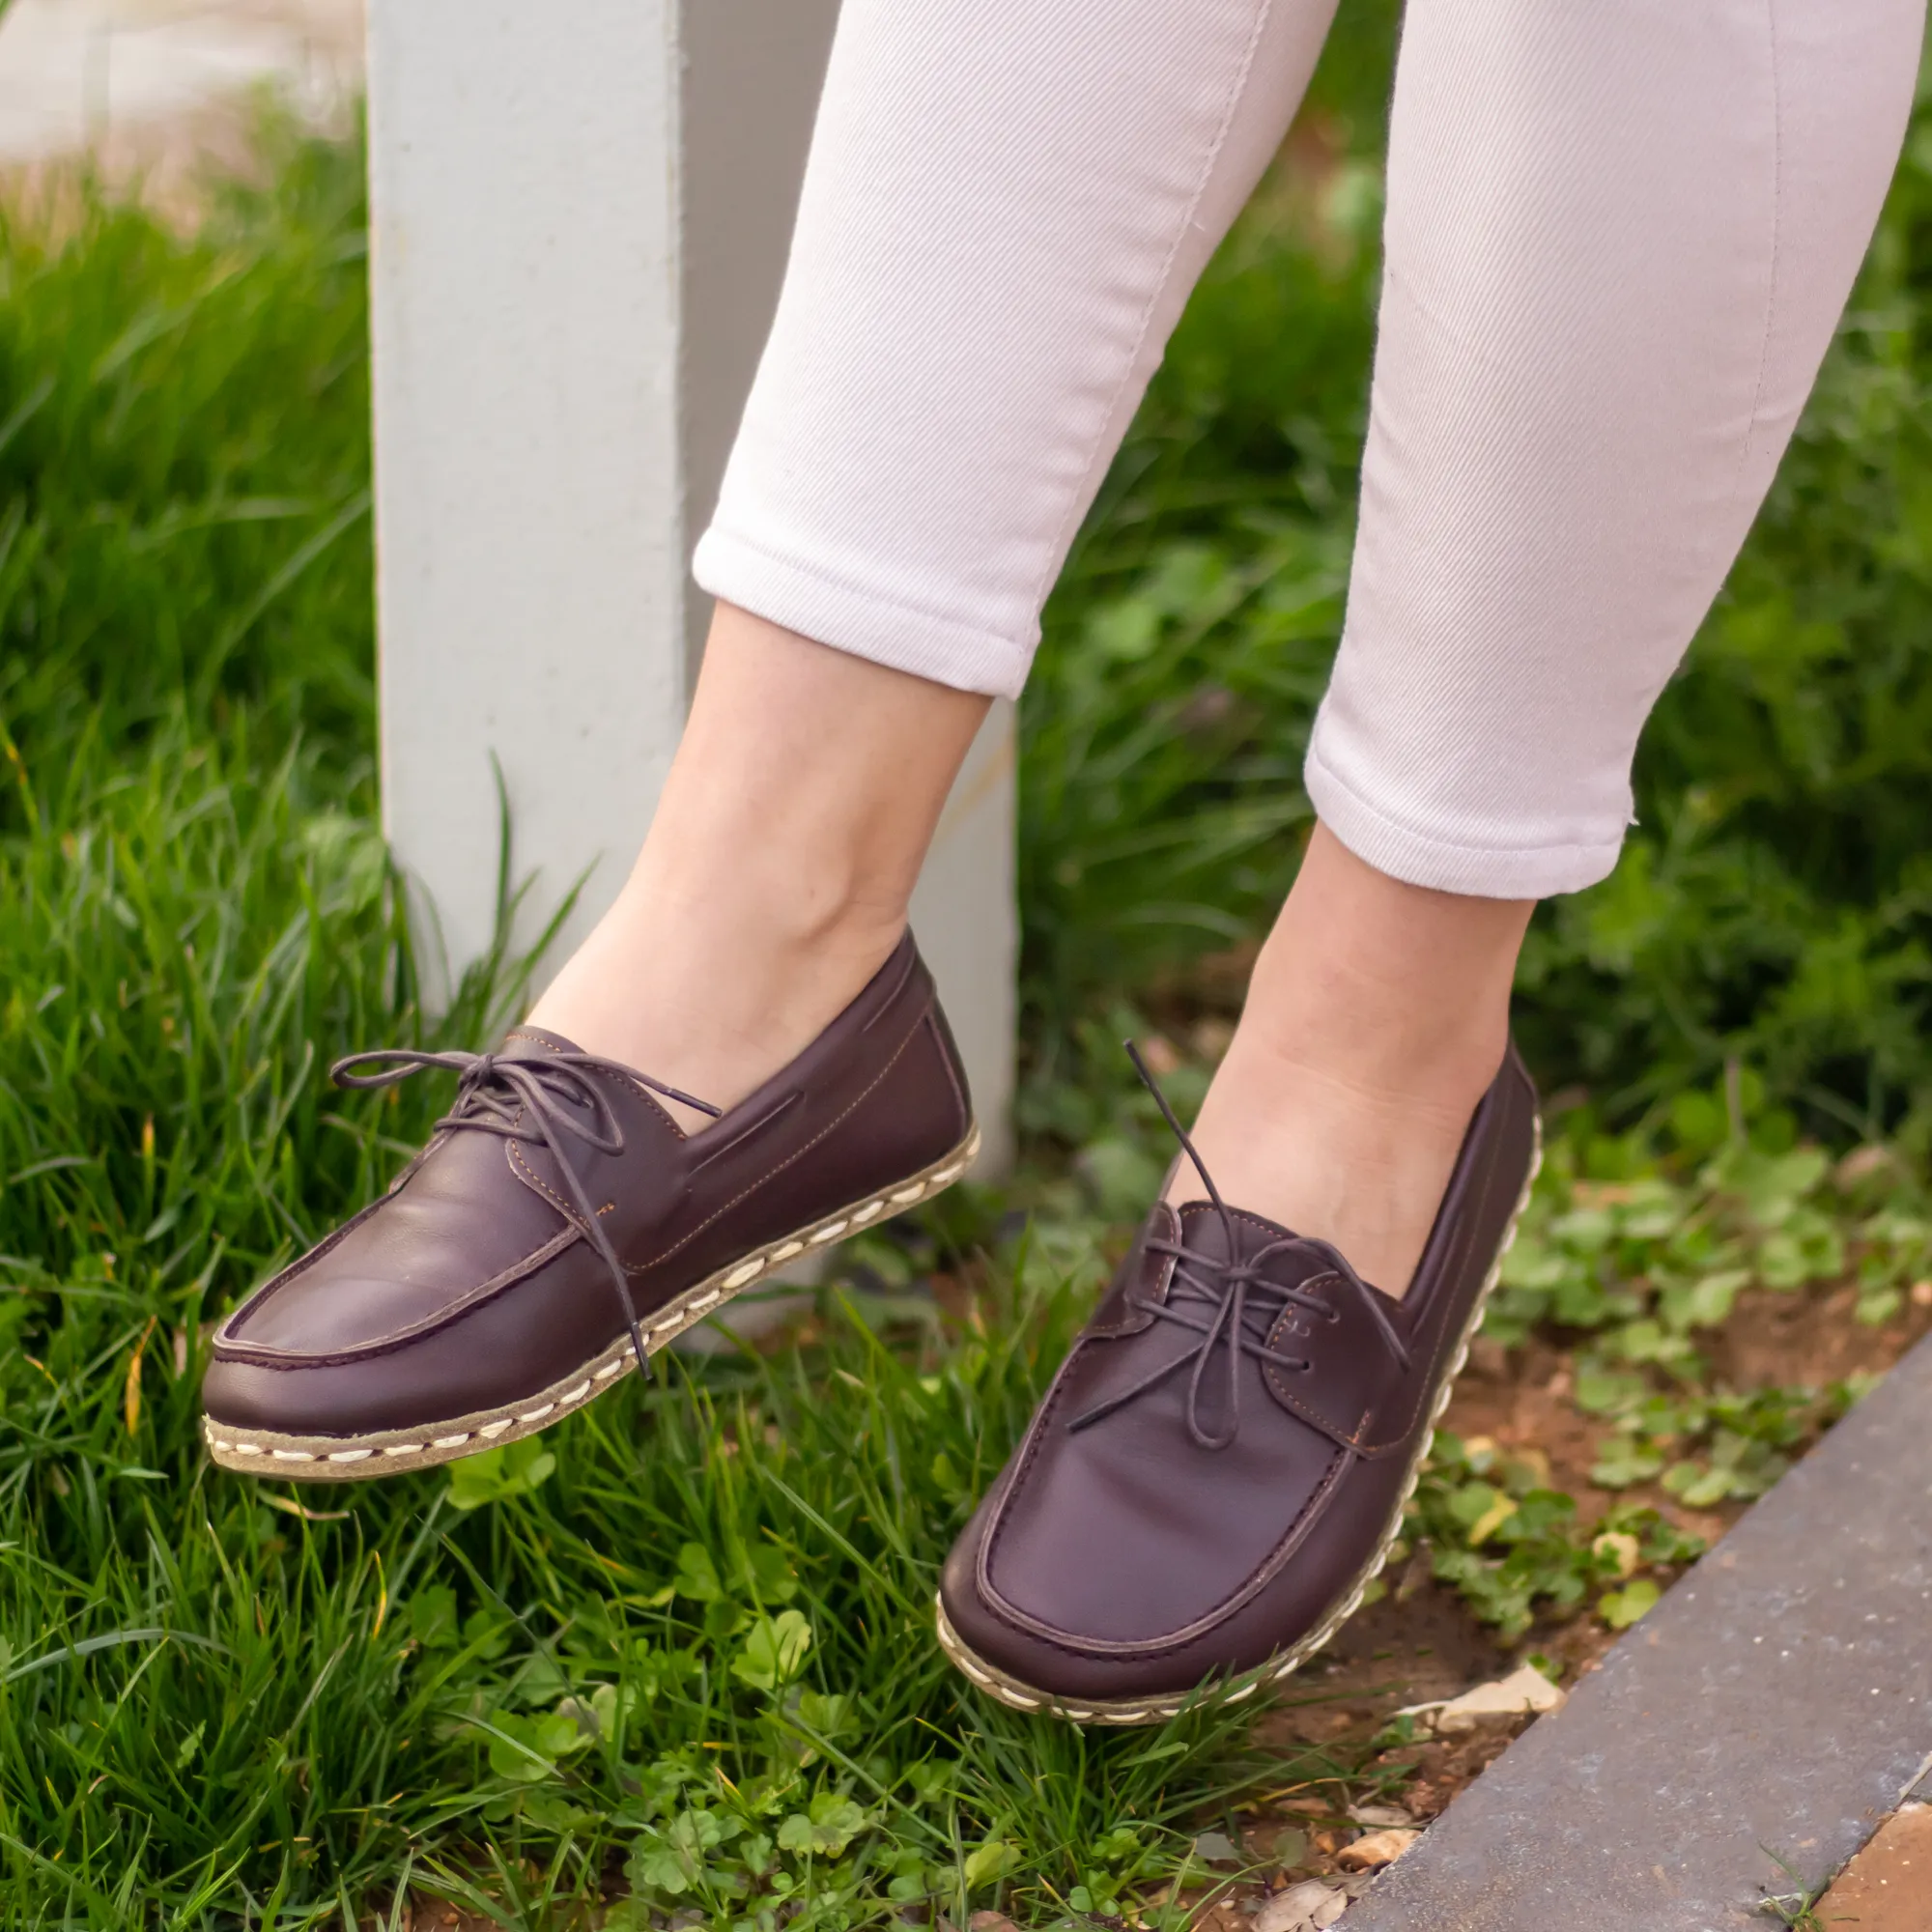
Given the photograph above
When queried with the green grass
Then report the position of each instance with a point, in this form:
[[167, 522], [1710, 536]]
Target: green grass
[[686, 1638], [704, 1611], [702, 1619]]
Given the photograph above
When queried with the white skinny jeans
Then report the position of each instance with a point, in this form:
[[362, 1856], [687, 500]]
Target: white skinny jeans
[[1619, 237]]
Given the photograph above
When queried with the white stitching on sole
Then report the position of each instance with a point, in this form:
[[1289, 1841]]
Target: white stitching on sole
[[681, 1315]]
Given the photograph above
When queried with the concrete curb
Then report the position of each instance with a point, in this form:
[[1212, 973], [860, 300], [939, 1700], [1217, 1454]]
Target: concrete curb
[[1777, 1700]]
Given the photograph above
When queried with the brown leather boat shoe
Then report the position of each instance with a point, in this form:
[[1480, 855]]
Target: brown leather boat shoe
[[560, 1227], [1223, 1459]]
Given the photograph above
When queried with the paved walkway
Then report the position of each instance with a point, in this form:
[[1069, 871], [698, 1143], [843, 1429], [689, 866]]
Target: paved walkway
[[1777, 1705], [140, 80]]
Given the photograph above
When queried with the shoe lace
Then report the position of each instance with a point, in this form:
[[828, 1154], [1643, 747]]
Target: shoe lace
[[1217, 1299], [531, 1099]]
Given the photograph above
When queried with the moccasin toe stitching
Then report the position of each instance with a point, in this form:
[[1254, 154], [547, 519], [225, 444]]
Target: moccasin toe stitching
[[559, 1226], [1223, 1458]]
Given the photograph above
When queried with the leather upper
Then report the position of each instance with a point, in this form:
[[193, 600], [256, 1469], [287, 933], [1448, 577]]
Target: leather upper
[[471, 1282], [1118, 1555]]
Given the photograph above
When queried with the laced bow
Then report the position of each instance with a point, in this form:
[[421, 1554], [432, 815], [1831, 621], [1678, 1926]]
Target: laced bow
[[1213, 1298], [532, 1099]]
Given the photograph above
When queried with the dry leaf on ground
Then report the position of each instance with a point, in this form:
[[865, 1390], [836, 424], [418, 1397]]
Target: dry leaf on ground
[[1523, 1692], [1308, 1907]]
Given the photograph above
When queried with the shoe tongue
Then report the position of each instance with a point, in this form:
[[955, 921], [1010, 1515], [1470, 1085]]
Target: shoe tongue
[[529, 1042], [1203, 1229]]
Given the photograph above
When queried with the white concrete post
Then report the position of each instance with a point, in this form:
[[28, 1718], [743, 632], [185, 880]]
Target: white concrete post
[[579, 221]]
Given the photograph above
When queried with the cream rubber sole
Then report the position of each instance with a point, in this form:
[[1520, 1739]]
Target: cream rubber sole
[[353, 1459], [1009, 1689]]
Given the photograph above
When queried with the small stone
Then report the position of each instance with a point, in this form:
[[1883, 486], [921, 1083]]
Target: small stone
[[1295, 1910], [1377, 1849], [1379, 1817], [990, 1921], [1863, 1162]]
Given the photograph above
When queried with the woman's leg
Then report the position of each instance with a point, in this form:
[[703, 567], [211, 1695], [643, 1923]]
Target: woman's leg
[[1620, 234], [1618, 239], [1377, 1018], [1006, 205], [775, 878]]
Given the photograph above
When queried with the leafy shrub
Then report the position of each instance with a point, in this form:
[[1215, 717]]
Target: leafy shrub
[[1775, 903]]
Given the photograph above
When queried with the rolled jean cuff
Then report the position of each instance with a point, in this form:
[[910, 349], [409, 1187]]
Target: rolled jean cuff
[[865, 624], [1419, 859]]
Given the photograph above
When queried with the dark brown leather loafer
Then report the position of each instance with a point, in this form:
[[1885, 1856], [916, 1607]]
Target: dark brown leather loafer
[[560, 1227], [1222, 1461]]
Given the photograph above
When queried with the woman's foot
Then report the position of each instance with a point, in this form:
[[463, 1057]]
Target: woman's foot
[[572, 1213], [779, 867], [559, 1228], [1223, 1458], [1377, 1018]]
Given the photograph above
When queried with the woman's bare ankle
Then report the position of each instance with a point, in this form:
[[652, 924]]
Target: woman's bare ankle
[[713, 1005], [1377, 1016], [775, 880]]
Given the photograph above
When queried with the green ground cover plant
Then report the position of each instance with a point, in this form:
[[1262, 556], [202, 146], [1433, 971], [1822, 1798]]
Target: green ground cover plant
[[676, 1650]]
